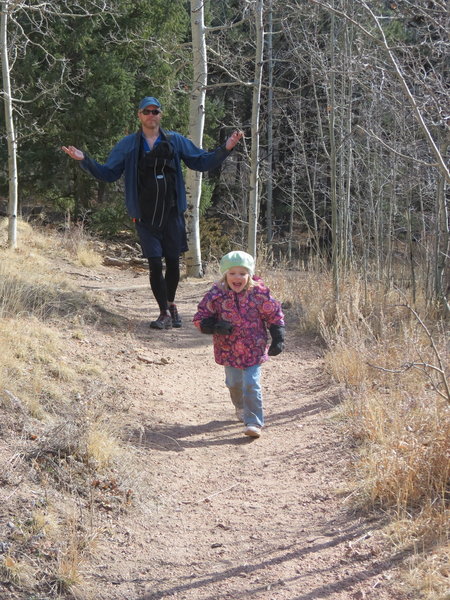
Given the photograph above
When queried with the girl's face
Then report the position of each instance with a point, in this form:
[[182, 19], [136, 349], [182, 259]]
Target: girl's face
[[237, 278]]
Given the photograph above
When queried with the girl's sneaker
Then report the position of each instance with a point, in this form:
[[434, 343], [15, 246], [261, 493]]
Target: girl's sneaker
[[252, 431]]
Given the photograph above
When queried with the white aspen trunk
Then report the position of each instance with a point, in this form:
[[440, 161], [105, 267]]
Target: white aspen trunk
[[196, 127], [335, 249], [10, 133], [254, 174], [389, 234], [347, 153], [442, 241], [411, 249], [292, 210], [269, 205]]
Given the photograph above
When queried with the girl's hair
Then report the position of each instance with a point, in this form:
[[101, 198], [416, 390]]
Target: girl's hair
[[250, 283]]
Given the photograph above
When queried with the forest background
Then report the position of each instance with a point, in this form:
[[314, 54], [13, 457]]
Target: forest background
[[342, 172]]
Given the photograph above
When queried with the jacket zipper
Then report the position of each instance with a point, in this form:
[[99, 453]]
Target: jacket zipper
[[236, 301]]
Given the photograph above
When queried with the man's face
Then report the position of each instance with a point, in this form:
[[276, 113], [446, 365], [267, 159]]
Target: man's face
[[147, 118]]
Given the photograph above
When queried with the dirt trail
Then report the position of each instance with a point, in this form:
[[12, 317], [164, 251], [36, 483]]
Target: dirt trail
[[215, 514]]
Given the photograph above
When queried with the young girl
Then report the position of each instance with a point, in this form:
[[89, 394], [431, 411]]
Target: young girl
[[238, 310]]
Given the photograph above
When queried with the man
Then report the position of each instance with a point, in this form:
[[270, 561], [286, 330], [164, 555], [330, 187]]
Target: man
[[155, 195]]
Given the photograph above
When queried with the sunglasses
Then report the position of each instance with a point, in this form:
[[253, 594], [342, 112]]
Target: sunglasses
[[150, 111]]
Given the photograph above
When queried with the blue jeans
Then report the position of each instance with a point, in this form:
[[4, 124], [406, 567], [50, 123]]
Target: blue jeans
[[245, 392]]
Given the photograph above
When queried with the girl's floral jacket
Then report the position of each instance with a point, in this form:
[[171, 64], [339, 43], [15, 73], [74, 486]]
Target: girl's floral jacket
[[251, 312]]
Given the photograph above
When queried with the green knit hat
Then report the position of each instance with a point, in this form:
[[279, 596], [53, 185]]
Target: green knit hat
[[236, 258]]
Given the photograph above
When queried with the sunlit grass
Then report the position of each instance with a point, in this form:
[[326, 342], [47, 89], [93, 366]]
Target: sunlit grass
[[32, 362], [392, 361], [87, 257], [74, 553], [18, 572], [102, 446]]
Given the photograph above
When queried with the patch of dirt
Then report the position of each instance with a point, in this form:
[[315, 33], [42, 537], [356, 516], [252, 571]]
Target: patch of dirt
[[213, 513]]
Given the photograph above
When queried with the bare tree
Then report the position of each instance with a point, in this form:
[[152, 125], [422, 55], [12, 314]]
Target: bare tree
[[255, 150], [9, 121], [201, 52], [369, 88], [196, 127], [270, 61], [39, 18]]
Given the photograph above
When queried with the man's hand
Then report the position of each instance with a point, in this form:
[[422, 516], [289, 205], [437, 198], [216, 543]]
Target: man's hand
[[73, 152], [233, 139]]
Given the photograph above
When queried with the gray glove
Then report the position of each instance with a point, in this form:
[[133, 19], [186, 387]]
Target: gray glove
[[207, 325], [223, 328], [212, 325], [277, 345]]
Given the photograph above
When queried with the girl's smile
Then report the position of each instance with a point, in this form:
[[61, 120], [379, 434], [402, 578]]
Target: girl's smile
[[237, 278]]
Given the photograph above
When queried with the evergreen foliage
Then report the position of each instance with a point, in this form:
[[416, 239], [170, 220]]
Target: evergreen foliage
[[342, 126]]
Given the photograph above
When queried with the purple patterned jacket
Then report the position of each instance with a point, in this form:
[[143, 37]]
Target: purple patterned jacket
[[251, 312]]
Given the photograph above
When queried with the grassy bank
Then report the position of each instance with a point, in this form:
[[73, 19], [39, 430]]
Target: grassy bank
[[392, 359]]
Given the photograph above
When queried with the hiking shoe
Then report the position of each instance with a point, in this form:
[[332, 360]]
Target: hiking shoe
[[164, 321], [176, 319], [252, 431], [240, 414]]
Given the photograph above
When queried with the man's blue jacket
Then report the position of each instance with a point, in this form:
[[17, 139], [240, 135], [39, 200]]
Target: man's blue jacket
[[123, 160]]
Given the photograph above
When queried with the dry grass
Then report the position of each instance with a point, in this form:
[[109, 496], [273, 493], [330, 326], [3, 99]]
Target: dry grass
[[405, 464], [393, 364], [102, 446], [34, 364], [66, 574], [88, 257], [429, 572], [24, 288], [45, 522], [18, 572], [31, 241], [51, 402], [298, 292], [77, 243], [30, 286]]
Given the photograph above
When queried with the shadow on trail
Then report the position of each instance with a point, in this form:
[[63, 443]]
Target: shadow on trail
[[186, 337], [178, 437], [260, 568], [175, 438], [311, 409]]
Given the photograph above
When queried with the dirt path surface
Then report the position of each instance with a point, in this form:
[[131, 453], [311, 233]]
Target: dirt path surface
[[215, 514]]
